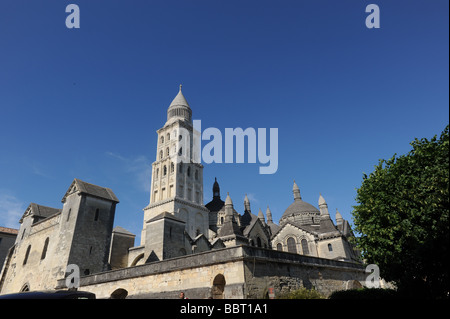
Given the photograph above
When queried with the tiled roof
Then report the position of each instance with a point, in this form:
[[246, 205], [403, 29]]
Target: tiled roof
[[9, 230]]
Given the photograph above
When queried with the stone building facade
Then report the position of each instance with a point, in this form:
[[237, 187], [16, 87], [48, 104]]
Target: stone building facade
[[207, 250]]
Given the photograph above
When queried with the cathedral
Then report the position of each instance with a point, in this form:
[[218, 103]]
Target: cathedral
[[179, 232]]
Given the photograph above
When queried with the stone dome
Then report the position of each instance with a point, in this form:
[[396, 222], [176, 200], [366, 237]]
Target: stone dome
[[299, 207], [299, 211]]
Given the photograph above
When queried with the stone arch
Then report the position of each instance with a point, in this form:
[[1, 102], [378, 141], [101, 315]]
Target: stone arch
[[218, 287], [137, 259], [25, 287], [119, 293]]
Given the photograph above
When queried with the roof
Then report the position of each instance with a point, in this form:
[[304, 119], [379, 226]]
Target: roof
[[215, 205], [39, 211], [7, 230], [121, 230], [90, 189], [165, 215], [299, 207], [179, 100]]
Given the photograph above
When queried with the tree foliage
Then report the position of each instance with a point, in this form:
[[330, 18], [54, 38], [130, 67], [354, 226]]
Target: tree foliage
[[402, 217]]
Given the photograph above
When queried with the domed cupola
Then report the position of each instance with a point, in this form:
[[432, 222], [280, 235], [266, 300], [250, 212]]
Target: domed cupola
[[179, 108], [300, 212]]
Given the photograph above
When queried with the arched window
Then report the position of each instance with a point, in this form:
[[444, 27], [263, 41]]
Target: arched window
[[157, 173], [172, 167], [162, 139], [168, 136], [44, 251], [218, 287], [180, 151], [291, 245], [167, 151], [164, 170], [279, 247], [26, 255], [330, 248], [305, 248], [221, 220], [160, 154]]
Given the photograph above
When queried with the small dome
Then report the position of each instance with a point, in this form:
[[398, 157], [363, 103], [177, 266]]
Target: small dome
[[299, 207]]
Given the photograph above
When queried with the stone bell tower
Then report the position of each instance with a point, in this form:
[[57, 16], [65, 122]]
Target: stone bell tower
[[177, 179]]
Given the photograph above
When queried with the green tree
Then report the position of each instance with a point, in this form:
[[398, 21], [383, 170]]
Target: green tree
[[402, 217]]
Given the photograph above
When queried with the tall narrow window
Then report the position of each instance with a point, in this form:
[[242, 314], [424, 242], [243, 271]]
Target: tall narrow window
[[68, 214], [291, 245], [330, 248], [279, 247], [305, 248], [96, 214], [172, 167], [189, 171], [44, 251], [160, 154], [196, 174], [26, 255], [167, 151], [164, 170]]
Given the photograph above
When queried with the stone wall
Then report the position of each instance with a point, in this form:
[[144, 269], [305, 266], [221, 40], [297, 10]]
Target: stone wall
[[248, 273]]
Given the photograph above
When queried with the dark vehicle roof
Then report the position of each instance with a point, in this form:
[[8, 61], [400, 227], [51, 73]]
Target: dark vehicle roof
[[51, 294]]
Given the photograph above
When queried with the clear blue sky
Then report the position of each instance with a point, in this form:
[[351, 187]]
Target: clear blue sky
[[85, 103]]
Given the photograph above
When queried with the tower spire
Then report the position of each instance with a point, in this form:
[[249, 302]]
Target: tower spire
[[296, 192]]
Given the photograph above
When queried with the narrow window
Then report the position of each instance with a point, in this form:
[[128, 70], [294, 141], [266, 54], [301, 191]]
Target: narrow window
[[26, 255], [44, 251], [96, 215], [258, 242], [172, 167], [164, 170], [330, 248], [189, 171], [167, 151], [68, 214], [168, 136], [196, 174], [160, 154], [162, 139], [305, 248], [279, 247]]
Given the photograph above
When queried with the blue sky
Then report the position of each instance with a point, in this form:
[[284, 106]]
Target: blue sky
[[85, 103]]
